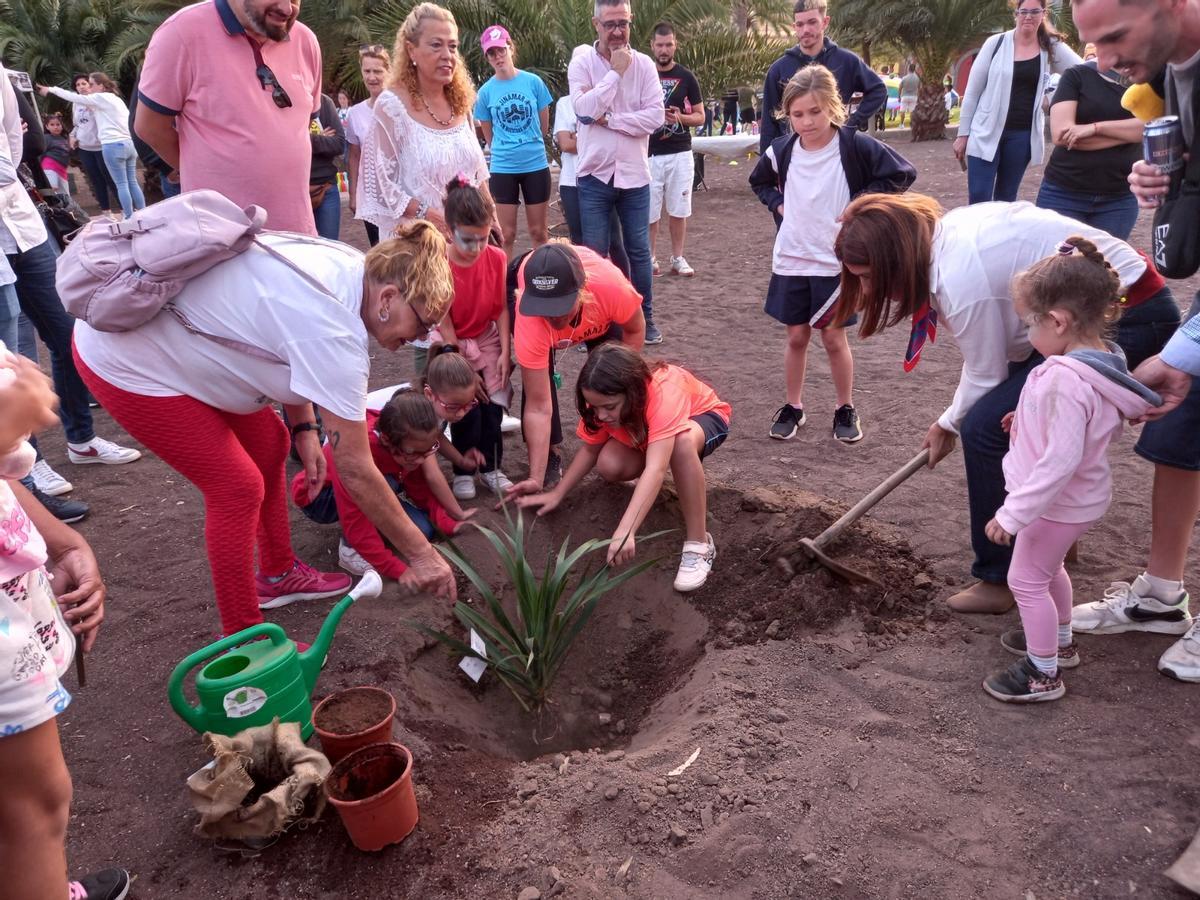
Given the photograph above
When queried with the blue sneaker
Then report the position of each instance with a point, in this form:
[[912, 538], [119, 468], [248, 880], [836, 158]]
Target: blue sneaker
[[653, 335]]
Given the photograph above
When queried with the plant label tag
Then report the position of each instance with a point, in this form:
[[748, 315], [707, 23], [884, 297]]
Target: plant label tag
[[473, 665]]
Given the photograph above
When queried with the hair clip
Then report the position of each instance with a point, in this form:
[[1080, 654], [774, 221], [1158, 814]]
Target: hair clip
[[1066, 249], [462, 179]]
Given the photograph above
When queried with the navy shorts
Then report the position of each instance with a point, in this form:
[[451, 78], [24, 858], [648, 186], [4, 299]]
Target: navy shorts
[[1172, 440], [798, 299], [509, 188], [715, 429]]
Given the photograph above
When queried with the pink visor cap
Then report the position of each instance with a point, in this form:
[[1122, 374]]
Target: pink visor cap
[[493, 36]]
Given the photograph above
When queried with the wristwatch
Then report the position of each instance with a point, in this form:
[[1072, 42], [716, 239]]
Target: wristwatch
[[308, 426]]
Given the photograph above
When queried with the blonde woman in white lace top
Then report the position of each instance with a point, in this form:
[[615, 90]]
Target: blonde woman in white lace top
[[423, 135]]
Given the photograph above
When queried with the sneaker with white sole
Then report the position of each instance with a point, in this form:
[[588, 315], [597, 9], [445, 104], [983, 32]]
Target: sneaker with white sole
[[1014, 642], [679, 266], [1128, 607], [351, 560], [695, 564], [302, 582], [495, 481], [1182, 659], [107, 884], [1023, 682], [48, 481], [509, 424], [654, 268], [787, 421], [463, 487], [98, 450]]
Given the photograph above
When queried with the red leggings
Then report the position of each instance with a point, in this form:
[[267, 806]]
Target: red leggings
[[238, 463]]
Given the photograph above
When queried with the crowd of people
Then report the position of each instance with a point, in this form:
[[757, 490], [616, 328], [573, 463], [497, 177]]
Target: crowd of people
[[1066, 330]]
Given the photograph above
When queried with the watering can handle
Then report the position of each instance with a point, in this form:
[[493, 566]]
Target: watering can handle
[[192, 713]]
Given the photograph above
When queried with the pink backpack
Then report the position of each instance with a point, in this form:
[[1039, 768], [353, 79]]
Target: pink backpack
[[117, 276]]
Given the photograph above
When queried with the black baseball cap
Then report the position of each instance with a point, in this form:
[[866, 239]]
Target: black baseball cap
[[553, 276]]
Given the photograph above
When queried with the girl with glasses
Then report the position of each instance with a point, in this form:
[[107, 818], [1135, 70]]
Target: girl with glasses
[[478, 325], [404, 438]]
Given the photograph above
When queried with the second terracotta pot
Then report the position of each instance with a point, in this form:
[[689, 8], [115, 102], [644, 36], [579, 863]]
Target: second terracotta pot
[[353, 718], [372, 791]]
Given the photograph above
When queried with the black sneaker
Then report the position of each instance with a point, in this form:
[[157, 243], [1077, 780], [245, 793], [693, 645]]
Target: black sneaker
[[787, 420], [61, 508], [1014, 642], [846, 427], [107, 884], [553, 472], [1023, 682]]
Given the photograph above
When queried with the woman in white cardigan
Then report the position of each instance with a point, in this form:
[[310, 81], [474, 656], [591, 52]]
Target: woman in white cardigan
[[1002, 124]]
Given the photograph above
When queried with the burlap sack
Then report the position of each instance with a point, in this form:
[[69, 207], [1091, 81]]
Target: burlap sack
[[270, 761]]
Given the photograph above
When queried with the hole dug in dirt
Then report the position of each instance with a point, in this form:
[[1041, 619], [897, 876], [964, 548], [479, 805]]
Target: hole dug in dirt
[[645, 638]]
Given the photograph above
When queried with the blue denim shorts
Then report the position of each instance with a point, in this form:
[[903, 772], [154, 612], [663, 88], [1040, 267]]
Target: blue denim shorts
[[1174, 440]]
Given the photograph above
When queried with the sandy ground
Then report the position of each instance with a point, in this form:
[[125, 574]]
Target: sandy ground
[[846, 748]]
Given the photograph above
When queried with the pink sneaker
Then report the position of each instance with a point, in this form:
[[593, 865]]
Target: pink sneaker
[[303, 582]]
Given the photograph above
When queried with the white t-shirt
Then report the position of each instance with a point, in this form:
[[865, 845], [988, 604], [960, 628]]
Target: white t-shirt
[[359, 121], [112, 115], [320, 342], [564, 120], [814, 196]]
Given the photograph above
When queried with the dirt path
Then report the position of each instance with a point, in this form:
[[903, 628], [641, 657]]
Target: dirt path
[[840, 756]]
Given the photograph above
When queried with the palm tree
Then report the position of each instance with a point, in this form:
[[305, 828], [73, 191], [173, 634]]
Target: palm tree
[[54, 39], [935, 32]]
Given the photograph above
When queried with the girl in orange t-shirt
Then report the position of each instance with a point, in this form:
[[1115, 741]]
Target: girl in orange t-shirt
[[636, 420]]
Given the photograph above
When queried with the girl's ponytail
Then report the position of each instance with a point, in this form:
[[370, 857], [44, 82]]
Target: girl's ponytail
[[466, 204], [408, 412], [447, 369], [1077, 279]]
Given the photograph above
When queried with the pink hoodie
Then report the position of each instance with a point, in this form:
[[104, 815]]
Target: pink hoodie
[[1057, 464]]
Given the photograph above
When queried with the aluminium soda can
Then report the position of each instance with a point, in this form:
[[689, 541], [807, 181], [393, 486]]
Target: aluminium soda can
[[1162, 146]]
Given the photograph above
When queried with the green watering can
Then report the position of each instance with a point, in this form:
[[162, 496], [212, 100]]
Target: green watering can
[[250, 682]]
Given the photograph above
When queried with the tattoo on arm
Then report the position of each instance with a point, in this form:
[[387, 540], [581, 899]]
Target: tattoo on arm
[[335, 438]]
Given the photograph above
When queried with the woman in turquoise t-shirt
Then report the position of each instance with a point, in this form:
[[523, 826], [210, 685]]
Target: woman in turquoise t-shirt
[[513, 108]]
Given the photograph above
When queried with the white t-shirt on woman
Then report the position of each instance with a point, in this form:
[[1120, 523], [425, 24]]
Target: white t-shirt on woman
[[112, 115]]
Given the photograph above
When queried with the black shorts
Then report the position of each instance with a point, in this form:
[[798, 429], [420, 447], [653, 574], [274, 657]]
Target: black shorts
[[804, 299], [509, 188], [715, 429]]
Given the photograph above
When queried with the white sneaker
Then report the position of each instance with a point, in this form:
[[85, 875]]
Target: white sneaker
[[697, 562], [495, 481], [351, 560], [1128, 607], [509, 424], [1182, 659], [679, 266], [654, 265], [463, 487], [48, 481], [98, 450]]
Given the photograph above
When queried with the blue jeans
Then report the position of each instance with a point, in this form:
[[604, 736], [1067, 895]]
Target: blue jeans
[[999, 179], [10, 313], [568, 195], [98, 177], [1142, 331], [328, 216], [323, 510], [40, 302], [121, 160], [169, 188], [597, 200], [984, 444], [1114, 213]]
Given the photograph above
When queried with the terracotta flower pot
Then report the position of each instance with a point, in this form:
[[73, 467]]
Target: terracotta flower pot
[[372, 791], [353, 718]]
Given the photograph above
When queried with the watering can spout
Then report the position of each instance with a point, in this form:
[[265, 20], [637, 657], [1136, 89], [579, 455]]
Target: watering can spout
[[313, 658]]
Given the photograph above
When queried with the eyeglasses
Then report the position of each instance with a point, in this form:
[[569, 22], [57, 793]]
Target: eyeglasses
[[453, 408], [418, 454], [616, 25], [364, 49], [267, 78], [467, 242], [425, 326], [1029, 13]]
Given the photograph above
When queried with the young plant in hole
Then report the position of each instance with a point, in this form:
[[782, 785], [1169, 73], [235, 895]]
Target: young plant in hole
[[526, 650]]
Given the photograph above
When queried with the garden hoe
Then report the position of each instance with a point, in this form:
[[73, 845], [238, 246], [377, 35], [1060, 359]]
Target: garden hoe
[[814, 548]]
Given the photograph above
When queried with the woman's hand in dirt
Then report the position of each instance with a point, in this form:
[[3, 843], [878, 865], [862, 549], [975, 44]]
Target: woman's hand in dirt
[[80, 590], [462, 516], [1170, 383], [621, 549], [429, 573], [545, 502], [960, 148], [521, 489], [940, 443], [996, 534], [1006, 422], [312, 457]]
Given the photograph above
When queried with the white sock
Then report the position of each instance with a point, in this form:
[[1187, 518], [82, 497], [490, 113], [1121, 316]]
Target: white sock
[[1064, 635], [1161, 589], [1046, 664], [798, 407]]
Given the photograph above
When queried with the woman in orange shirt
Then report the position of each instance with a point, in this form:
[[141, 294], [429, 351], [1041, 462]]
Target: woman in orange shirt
[[636, 420]]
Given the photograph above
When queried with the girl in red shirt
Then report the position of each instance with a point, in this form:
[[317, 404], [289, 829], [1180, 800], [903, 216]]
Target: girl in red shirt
[[478, 325], [636, 420]]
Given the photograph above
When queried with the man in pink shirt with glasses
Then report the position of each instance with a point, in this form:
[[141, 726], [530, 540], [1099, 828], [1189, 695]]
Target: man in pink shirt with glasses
[[618, 103]]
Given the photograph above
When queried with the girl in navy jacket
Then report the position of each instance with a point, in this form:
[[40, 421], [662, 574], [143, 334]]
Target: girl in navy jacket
[[806, 179]]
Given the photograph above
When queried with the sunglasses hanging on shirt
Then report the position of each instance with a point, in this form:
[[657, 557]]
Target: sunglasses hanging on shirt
[[267, 78]]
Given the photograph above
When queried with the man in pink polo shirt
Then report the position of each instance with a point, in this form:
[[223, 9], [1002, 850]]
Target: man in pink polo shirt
[[618, 103], [226, 96]]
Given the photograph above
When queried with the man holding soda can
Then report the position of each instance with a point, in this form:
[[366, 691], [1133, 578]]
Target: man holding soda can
[[1141, 38]]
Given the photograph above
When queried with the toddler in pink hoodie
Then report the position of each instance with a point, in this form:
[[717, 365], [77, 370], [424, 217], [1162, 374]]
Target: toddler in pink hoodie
[[1056, 470]]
